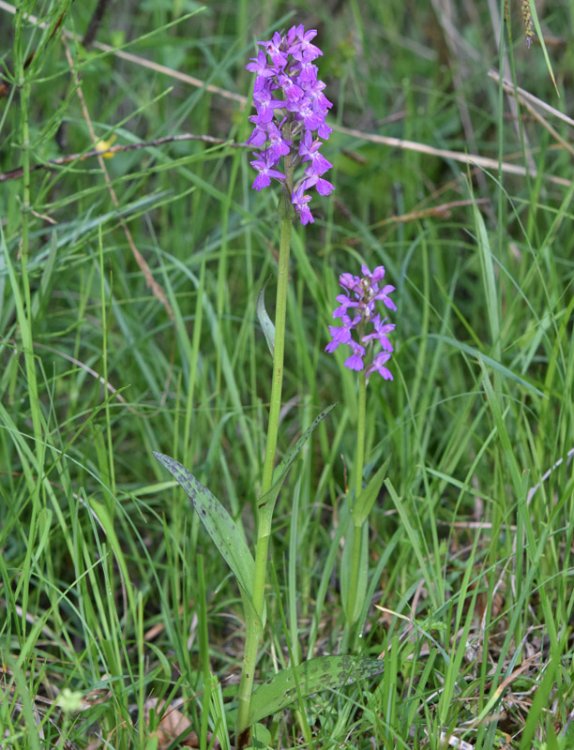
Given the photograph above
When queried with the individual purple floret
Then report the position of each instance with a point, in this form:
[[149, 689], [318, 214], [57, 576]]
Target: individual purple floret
[[264, 167], [289, 123], [362, 327]]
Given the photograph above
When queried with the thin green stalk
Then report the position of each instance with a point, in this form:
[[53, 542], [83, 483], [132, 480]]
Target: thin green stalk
[[25, 320], [203, 638], [361, 434], [278, 352], [255, 610], [23, 297], [357, 540], [107, 410]]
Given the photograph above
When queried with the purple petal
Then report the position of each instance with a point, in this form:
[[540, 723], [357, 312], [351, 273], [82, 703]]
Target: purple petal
[[355, 362], [300, 201], [383, 296], [378, 365], [259, 65], [349, 281], [324, 187]]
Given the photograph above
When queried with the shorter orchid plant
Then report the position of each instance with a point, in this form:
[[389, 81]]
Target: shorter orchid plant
[[366, 332]]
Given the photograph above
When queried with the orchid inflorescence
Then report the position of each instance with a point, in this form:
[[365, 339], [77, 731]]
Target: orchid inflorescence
[[290, 120], [363, 326]]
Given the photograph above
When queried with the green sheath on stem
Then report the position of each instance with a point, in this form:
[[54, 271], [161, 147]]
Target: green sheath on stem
[[357, 528]]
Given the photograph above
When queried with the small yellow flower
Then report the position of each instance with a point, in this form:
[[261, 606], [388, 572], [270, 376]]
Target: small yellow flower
[[104, 146]]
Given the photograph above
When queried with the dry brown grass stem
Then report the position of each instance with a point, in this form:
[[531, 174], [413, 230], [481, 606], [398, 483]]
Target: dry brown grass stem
[[152, 284], [472, 160]]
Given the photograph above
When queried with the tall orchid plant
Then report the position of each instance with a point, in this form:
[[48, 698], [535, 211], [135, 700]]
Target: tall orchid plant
[[289, 130], [290, 110]]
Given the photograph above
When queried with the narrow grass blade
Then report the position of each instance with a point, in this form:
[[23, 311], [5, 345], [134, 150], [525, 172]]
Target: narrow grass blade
[[491, 294], [106, 522], [25, 703], [505, 372], [322, 673], [539, 705], [217, 522], [540, 37]]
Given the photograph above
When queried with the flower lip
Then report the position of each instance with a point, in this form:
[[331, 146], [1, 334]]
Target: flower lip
[[265, 171]]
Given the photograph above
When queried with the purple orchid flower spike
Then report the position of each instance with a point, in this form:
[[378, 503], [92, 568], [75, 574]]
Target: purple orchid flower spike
[[363, 329], [290, 120]]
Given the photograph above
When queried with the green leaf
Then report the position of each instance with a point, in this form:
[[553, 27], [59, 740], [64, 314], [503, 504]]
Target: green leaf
[[265, 321], [223, 530], [261, 738], [267, 502], [322, 673], [359, 585], [488, 272], [364, 503]]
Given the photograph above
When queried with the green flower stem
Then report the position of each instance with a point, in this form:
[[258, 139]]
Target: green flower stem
[[357, 542], [255, 609], [361, 434], [278, 353]]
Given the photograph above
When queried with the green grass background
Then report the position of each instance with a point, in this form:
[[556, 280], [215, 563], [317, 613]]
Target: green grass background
[[108, 585]]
